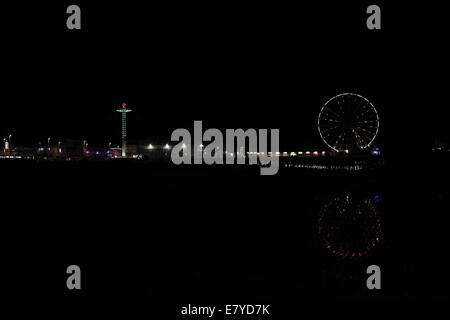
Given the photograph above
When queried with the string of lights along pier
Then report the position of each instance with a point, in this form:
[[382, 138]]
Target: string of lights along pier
[[124, 112]]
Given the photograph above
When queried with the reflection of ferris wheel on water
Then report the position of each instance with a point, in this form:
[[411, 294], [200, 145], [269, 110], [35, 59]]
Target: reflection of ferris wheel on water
[[348, 121]]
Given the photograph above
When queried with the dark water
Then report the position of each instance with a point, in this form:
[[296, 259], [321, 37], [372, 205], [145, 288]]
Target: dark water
[[215, 233]]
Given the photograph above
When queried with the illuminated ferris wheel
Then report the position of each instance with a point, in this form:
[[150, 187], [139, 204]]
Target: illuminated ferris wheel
[[347, 122]]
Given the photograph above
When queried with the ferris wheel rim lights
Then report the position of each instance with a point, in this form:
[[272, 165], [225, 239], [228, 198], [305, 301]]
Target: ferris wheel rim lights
[[367, 102]]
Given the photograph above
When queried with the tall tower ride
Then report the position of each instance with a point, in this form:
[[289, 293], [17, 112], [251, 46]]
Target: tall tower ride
[[124, 112]]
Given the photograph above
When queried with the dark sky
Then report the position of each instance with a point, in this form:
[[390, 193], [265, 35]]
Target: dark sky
[[259, 65]]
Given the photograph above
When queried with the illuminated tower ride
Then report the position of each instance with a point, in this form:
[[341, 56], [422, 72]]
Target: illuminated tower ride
[[124, 111]]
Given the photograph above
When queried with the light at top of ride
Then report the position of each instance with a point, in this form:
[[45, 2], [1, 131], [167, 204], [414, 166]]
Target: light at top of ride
[[124, 108]]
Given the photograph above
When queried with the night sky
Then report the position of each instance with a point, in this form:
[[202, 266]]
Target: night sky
[[253, 66]]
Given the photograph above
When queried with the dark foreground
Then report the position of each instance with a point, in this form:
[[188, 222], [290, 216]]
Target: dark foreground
[[198, 233]]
